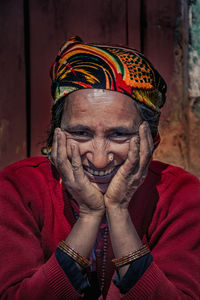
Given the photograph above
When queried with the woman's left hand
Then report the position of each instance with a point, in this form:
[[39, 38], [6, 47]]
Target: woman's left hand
[[133, 171]]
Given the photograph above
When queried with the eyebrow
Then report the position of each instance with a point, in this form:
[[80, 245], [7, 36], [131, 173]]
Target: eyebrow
[[77, 127], [121, 129]]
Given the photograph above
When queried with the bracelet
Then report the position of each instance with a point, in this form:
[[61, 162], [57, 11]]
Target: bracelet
[[124, 260], [81, 260]]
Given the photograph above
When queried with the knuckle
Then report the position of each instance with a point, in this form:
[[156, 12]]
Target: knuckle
[[124, 174], [137, 178], [148, 154], [60, 163], [130, 173], [133, 159], [145, 125], [75, 166], [143, 178], [79, 189], [133, 165]]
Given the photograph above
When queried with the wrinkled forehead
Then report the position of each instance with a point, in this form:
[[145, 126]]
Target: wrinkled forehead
[[100, 106], [99, 99]]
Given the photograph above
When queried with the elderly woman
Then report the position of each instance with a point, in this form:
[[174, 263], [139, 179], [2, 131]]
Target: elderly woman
[[96, 218]]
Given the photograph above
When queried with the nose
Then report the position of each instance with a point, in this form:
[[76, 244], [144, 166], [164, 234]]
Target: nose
[[99, 156]]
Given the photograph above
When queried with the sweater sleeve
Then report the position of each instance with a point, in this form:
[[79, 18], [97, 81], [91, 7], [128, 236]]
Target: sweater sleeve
[[173, 237], [25, 272]]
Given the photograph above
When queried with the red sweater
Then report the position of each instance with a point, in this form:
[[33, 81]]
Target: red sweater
[[35, 215]]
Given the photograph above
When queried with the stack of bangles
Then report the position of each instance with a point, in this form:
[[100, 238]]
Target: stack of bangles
[[124, 260], [82, 261], [119, 262]]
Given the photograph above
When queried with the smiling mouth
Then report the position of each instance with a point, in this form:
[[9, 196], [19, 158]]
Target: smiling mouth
[[99, 173], [101, 176]]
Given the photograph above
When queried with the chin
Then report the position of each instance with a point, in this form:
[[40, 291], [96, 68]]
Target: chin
[[102, 187]]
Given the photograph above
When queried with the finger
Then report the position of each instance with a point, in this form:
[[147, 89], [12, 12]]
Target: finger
[[53, 154], [150, 139], [62, 162], [146, 147], [76, 162], [131, 163]]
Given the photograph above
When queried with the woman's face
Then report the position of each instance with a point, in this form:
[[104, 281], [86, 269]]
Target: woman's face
[[101, 123]]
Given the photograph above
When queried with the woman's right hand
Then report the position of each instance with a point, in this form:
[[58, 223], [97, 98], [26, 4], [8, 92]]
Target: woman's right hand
[[90, 199]]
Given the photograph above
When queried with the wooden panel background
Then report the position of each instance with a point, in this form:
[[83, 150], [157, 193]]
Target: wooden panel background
[[12, 83], [158, 28]]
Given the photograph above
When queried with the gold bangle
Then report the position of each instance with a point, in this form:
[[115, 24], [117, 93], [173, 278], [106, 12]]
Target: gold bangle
[[124, 260], [81, 260]]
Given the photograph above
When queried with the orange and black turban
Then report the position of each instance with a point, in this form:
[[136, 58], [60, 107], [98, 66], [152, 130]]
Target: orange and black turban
[[79, 65]]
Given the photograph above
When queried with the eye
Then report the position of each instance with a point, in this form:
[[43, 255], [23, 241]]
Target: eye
[[81, 134], [122, 137], [119, 136]]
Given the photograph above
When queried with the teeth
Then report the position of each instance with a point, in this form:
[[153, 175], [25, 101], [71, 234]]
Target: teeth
[[98, 173]]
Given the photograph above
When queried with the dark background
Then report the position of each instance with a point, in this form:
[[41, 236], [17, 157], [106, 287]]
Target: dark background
[[32, 32]]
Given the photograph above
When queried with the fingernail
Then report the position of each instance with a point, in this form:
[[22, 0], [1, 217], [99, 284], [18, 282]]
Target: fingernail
[[137, 142], [56, 131], [72, 147]]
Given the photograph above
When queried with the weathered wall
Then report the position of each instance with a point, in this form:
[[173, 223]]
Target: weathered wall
[[180, 124], [194, 88], [174, 146]]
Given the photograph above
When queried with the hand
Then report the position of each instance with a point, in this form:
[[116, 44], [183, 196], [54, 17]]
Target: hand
[[90, 200], [133, 172]]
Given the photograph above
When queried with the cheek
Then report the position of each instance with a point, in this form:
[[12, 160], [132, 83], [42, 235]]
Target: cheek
[[69, 142], [120, 150], [83, 147]]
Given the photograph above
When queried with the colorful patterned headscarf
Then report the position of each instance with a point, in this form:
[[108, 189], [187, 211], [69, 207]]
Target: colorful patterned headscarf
[[79, 65]]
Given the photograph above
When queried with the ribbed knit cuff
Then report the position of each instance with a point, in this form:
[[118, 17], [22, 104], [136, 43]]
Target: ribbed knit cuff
[[146, 286], [133, 274], [78, 279], [58, 281]]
